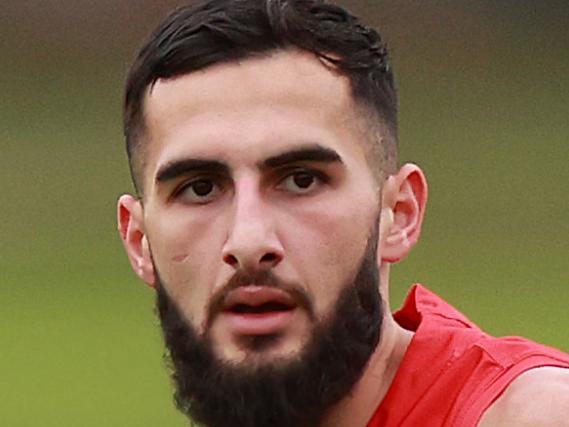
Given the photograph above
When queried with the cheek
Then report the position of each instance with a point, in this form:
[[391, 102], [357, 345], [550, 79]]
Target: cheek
[[325, 244], [187, 253]]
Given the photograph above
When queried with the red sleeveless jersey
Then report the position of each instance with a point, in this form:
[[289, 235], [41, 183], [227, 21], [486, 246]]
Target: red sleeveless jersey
[[452, 371]]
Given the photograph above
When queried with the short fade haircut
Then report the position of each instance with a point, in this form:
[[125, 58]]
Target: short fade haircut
[[208, 32]]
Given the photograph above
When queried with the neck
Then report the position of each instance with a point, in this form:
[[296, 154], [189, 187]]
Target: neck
[[358, 407]]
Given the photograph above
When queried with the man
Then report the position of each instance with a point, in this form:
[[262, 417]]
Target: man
[[262, 138]]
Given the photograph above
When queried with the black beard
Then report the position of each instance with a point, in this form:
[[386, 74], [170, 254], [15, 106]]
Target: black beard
[[296, 393]]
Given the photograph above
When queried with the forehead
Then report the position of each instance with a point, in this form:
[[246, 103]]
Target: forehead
[[256, 106]]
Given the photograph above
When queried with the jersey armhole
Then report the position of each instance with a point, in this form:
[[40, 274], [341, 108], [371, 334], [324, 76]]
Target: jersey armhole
[[498, 385]]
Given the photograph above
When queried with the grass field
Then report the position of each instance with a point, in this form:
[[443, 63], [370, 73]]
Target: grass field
[[483, 109]]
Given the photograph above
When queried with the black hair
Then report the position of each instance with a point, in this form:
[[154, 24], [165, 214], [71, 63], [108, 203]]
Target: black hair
[[294, 393], [208, 32]]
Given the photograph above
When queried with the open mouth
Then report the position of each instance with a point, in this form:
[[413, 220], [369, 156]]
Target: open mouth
[[258, 299], [258, 311], [267, 307]]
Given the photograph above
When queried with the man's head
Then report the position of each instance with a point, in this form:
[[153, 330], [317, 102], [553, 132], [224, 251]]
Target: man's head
[[262, 135]]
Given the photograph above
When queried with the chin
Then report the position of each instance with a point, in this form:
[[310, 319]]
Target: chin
[[261, 349]]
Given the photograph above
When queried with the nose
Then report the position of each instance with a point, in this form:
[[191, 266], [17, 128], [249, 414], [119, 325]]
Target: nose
[[252, 242]]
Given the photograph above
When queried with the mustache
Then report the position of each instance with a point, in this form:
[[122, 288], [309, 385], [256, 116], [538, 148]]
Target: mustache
[[266, 278]]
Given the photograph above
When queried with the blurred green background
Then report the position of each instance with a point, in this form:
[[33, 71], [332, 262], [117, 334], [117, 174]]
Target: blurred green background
[[484, 109]]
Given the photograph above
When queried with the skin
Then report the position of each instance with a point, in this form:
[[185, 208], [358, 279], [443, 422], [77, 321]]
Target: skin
[[257, 216], [537, 398]]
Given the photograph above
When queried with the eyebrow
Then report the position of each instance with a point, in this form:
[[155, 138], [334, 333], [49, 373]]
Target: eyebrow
[[177, 168], [313, 153]]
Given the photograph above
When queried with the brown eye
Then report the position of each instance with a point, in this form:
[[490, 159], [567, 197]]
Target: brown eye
[[200, 191], [202, 188], [303, 180]]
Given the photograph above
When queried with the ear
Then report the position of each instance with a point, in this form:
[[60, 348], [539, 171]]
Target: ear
[[404, 198], [131, 228]]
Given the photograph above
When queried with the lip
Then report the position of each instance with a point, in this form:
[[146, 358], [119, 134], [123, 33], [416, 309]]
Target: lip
[[258, 323], [256, 295]]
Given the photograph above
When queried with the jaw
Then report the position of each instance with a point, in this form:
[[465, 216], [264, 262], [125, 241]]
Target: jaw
[[359, 405]]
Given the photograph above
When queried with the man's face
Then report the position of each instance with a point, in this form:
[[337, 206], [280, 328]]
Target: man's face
[[258, 200]]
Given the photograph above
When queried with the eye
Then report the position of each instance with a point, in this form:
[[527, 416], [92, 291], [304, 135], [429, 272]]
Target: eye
[[301, 182], [199, 191]]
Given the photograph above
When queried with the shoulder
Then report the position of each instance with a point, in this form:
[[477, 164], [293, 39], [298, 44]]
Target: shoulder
[[537, 398]]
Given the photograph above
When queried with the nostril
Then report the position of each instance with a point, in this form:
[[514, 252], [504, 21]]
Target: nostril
[[269, 258], [235, 260], [231, 260]]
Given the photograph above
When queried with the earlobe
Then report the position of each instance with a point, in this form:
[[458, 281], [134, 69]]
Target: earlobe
[[404, 199], [135, 241]]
